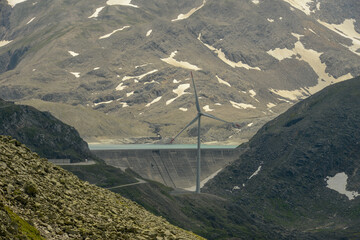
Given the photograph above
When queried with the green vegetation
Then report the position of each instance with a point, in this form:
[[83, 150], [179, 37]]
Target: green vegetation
[[23, 228]]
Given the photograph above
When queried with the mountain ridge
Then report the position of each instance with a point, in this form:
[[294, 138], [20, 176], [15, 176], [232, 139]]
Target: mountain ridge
[[42, 132], [250, 54]]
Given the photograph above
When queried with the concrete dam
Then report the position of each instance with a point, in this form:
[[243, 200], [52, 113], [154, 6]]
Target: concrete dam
[[172, 166]]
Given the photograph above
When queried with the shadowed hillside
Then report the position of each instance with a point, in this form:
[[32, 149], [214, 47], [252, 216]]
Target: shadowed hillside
[[301, 169], [42, 132]]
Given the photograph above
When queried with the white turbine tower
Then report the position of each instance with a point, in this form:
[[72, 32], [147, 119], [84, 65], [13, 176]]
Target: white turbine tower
[[198, 118]]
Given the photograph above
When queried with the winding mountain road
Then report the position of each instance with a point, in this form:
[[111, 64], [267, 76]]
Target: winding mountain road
[[140, 181]]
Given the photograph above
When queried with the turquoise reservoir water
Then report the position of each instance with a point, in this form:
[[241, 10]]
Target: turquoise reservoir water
[[155, 146]]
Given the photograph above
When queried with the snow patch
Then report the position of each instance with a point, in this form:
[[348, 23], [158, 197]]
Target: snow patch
[[270, 20], [4, 42], [255, 173], [293, 95], [207, 108], [96, 13], [271, 105], [223, 58], [143, 65], [312, 31], [149, 32], [179, 91], [222, 81], [76, 74], [30, 20], [338, 183], [140, 76], [153, 81], [106, 102], [241, 105], [218, 104], [281, 54], [117, 30], [318, 5], [183, 109], [170, 60], [120, 87], [124, 104], [72, 53], [255, 1], [153, 101], [176, 81], [250, 124], [191, 12], [252, 93], [129, 94], [302, 5], [346, 30], [12, 3], [284, 100], [121, 2], [96, 68], [312, 57]]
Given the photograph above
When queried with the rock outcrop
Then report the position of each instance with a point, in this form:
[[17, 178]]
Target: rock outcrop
[[35, 194], [42, 133]]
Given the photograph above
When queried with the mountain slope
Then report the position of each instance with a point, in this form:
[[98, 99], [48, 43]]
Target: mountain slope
[[301, 169], [251, 60], [61, 206], [42, 132]]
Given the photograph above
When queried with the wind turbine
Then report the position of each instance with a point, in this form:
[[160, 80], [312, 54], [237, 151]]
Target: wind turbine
[[198, 118]]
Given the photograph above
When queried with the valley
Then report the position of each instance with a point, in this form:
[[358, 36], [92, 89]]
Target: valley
[[116, 75]]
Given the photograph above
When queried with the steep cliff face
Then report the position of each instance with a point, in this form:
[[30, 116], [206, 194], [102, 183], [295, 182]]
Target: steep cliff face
[[301, 169], [42, 132], [35, 194]]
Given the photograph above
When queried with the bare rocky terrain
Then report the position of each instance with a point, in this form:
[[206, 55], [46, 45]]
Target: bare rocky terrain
[[39, 200], [119, 70]]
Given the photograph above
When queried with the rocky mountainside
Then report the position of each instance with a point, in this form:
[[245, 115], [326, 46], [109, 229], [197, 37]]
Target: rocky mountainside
[[42, 133], [301, 169], [125, 64], [39, 198]]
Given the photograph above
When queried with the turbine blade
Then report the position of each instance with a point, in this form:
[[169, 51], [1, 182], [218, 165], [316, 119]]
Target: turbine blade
[[189, 124], [213, 117], [196, 96]]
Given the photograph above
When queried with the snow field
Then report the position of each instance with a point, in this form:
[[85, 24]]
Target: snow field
[[338, 183]]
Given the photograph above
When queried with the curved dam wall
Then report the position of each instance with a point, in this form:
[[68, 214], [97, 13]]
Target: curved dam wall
[[173, 167]]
